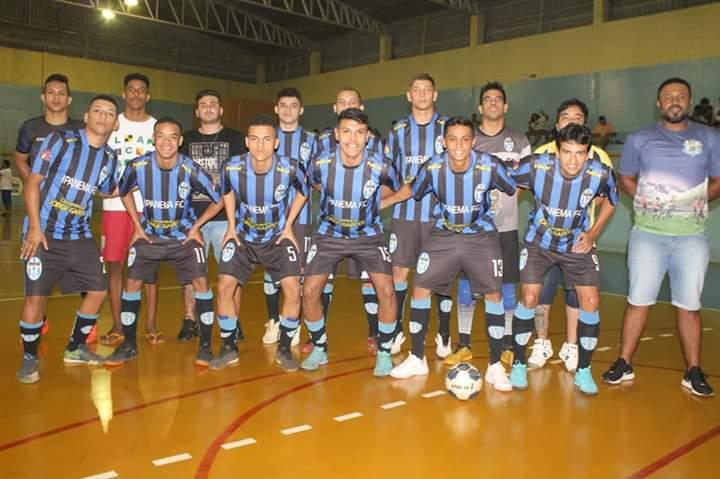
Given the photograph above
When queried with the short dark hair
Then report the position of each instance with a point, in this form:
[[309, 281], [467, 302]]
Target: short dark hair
[[103, 97], [423, 77], [349, 88], [168, 119], [290, 92], [354, 114], [207, 92], [672, 80], [262, 120], [572, 102], [57, 77], [136, 76], [602, 118], [573, 132], [458, 120], [493, 85]]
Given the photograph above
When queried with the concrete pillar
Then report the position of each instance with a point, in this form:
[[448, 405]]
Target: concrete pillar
[[477, 29], [315, 62], [385, 53], [600, 11], [260, 74]]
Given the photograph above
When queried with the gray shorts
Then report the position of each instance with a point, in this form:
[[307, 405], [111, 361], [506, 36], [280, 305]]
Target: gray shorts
[[577, 269], [445, 255], [240, 260], [75, 264], [187, 259], [303, 235], [406, 241], [369, 252]]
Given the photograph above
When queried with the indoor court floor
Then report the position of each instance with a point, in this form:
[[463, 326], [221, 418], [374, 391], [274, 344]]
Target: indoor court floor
[[161, 416]]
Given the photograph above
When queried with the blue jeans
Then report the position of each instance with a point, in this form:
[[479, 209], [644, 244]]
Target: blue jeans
[[213, 233]]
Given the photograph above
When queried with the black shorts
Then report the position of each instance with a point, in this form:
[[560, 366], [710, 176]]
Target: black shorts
[[406, 241], [445, 255], [510, 249], [553, 279], [577, 269], [369, 252], [76, 264], [240, 260], [303, 235], [187, 259], [354, 271]]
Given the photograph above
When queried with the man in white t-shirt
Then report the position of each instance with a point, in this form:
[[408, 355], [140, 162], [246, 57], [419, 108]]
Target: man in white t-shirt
[[132, 139]]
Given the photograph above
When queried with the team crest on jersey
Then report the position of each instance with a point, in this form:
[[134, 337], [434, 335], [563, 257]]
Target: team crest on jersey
[[508, 144], [369, 189], [392, 243], [692, 147], [523, 258], [228, 251], [304, 151], [46, 155], [586, 197], [131, 256], [423, 263], [311, 254], [439, 145], [183, 190], [104, 172], [34, 268], [280, 192], [479, 192]]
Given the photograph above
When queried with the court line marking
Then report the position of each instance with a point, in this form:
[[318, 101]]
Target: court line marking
[[103, 475], [347, 417], [433, 394], [604, 348], [646, 338], [294, 430], [393, 405], [241, 443], [164, 461], [666, 335], [707, 329], [555, 361]]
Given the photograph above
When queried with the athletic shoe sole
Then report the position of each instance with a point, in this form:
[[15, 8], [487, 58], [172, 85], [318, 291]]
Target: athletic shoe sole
[[688, 385], [625, 377]]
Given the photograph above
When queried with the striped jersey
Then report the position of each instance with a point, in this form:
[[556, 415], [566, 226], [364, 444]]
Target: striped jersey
[[34, 131], [73, 171], [562, 206], [409, 145], [262, 199], [326, 142], [298, 145], [167, 193], [350, 195], [463, 198]]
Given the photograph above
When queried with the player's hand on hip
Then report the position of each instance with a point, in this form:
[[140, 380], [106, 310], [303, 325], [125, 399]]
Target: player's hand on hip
[[33, 239], [195, 235], [288, 234], [583, 244], [230, 236], [140, 235]]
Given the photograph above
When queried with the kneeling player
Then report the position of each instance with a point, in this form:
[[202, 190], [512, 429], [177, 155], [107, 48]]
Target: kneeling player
[[167, 232], [464, 239], [257, 188], [559, 233]]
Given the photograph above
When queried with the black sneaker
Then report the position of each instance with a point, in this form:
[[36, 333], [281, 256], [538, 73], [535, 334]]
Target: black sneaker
[[694, 380], [124, 352], [204, 355], [284, 357], [227, 356], [239, 335], [618, 372], [188, 331]]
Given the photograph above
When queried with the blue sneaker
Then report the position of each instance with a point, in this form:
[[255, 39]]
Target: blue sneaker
[[518, 376], [317, 358], [585, 382], [383, 364]]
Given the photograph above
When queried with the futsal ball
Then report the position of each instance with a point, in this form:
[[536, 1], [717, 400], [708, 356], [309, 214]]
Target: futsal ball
[[463, 381]]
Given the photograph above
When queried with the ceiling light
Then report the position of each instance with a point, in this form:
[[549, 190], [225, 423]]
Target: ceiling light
[[131, 3], [107, 14]]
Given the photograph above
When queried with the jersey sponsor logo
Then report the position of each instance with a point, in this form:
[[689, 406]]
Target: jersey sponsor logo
[[423, 263], [508, 144], [435, 166], [140, 163], [304, 151], [523, 258], [369, 189], [586, 197], [282, 169], [164, 205], [311, 254], [479, 192], [416, 159], [68, 207], [392, 243], [280, 192], [34, 268], [460, 209], [46, 155], [543, 166], [163, 224], [593, 172], [562, 212], [132, 254], [692, 147], [228, 252], [183, 190], [323, 161], [439, 144], [77, 184], [482, 167], [348, 203]]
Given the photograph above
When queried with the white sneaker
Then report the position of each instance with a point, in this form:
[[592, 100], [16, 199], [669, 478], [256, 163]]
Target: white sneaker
[[412, 366], [497, 376], [442, 350], [397, 343], [272, 332], [541, 351], [296, 339], [569, 355]]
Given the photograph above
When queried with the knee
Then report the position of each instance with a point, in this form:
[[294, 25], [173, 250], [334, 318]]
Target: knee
[[385, 292], [311, 291], [291, 291], [226, 286], [530, 299], [591, 302]]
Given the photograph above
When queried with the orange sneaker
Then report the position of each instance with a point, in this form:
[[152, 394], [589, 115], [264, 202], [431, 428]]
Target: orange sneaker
[[92, 336]]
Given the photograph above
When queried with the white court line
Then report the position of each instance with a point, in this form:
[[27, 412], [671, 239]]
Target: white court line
[[555, 361], [296, 429], [393, 405], [707, 329], [241, 443], [164, 461], [604, 348], [103, 475], [666, 335], [646, 338], [347, 417], [433, 394]]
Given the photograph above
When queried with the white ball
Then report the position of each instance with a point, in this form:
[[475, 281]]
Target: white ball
[[463, 381]]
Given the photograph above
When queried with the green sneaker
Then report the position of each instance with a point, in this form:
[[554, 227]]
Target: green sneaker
[[383, 364], [518, 376], [317, 358], [82, 355], [585, 382], [29, 371]]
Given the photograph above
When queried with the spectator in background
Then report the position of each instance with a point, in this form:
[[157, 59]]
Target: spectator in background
[[6, 187], [602, 132], [537, 128], [703, 112]]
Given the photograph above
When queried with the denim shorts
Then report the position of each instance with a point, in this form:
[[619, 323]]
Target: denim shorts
[[213, 233], [684, 258]]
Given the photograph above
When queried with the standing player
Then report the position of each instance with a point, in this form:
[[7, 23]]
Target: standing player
[[350, 180], [168, 231], [463, 239], [297, 144], [56, 99], [68, 168], [257, 188], [209, 146], [560, 234], [509, 145], [682, 157], [411, 142], [133, 138], [569, 111]]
